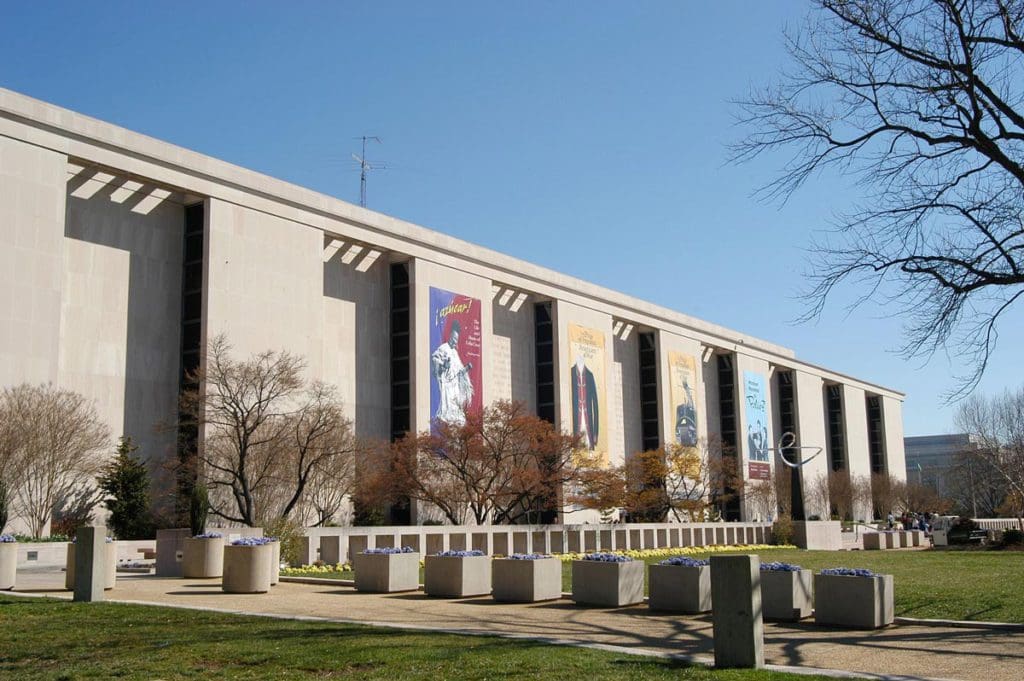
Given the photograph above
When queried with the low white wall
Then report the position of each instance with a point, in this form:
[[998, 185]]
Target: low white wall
[[337, 544], [55, 553]]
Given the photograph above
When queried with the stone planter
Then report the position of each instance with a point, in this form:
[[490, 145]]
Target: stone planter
[[891, 540], [109, 567], [854, 602], [527, 581], [905, 541], [873, 541], [247, 569], [608, 584], [680, 588], [786, 596], [457, 576], [386, 572], [8, 564], [916, 538], [203, 558], [275, 562]]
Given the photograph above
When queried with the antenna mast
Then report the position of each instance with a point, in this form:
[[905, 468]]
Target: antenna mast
[[365, 166]]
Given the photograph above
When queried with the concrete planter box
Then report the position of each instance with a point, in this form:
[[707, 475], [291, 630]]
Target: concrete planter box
[[873, 541], [387, 572], [679, 588], [203, 558], [275, 562], [854, 602], [247, 569], [457, 576], [904, 539], [109, 567], [527, 581], [891, 540], [787, 596], [8, 565], [916, 538], [612, 585]]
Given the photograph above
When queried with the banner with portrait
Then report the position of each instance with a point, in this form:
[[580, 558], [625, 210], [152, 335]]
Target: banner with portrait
[[456, 367], [755, 410], [587, 390], [682, 377]]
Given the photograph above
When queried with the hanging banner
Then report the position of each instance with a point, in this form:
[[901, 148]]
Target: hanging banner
[[682, 377], [755, 406], [456, 369], [587, 388]]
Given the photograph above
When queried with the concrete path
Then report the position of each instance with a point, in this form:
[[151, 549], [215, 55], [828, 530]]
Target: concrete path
[[905, 650]]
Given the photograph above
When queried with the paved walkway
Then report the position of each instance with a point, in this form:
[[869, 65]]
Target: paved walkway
[[916, 651]]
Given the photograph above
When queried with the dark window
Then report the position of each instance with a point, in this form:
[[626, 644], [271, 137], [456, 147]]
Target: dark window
[[727, 427], [191, 338], [543, 333], [876, 436], [836, 427], [650, 426], [787, 423]]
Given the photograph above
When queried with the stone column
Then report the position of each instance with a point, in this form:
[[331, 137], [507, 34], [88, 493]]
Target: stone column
[[736, 615], [90, 558]]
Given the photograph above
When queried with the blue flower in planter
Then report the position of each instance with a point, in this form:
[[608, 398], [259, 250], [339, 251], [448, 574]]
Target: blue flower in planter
[[253, 541], [780, 567], [607, 558], [387, 550], [685, 561], [209, 535], [848, 572], [7, 539], [529, 556], [460, 554]]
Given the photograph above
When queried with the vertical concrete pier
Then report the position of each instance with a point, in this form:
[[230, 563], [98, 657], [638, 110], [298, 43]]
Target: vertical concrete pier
[[736, 611]]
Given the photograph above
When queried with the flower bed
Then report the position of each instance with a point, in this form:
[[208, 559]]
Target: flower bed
[[607, 579], [786, 592], [249, 564], [387, 570], [8, 561], [457, 574], [668, 552], [527, 578], [854, 598], [203, 556], [680, 584]]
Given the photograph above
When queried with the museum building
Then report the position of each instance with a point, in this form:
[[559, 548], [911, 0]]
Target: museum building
[[122, 255]]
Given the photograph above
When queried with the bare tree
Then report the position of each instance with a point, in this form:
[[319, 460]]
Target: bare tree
[[997, 426], [59, 438], [267, 434], [498, 466], [887, 494], [921, 101], [976, 487], [819, 501]]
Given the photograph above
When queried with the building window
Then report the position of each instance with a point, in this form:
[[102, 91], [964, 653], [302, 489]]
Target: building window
[[544, 353], [727, 428], [650, 426], [876, 434], [787, 424], [836, 427]]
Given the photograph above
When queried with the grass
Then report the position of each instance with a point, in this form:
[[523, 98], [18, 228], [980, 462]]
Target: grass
[[960, 585], [53, 640]]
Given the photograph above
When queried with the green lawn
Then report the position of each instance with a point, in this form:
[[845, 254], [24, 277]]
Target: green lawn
[[46, 639], [962, 585]]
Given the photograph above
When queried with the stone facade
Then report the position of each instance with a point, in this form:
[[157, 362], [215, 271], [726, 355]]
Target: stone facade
[[92, 224]]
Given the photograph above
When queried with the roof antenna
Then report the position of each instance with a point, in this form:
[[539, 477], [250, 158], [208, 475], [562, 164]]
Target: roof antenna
[[365, 166]]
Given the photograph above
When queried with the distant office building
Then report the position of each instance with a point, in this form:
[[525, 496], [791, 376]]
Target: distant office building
[[930, 457], [121, 256]]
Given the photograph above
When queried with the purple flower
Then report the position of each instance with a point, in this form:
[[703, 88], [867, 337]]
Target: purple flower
[[253, 541], [384, 550], [209, 535], [607, 558], [848, 572], [7, 539], [685, 561], [780, 567], [529, 556], [460, 554]]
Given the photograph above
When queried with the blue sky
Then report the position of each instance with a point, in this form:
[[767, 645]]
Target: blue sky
[[592, 141]]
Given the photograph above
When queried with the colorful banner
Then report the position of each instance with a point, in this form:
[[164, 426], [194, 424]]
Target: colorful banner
[[456, 369], [587, 389], [681, 382], [755, 405]]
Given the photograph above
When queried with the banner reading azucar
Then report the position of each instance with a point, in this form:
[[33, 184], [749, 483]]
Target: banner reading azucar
[[456, 367]]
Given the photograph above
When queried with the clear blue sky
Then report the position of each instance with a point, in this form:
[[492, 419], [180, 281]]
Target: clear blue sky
[[587, 138]]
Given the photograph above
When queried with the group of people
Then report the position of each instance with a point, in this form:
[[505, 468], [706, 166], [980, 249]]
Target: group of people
[[911, 521]]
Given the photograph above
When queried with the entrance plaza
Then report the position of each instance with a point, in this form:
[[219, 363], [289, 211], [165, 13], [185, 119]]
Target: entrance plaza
[[904, 650]]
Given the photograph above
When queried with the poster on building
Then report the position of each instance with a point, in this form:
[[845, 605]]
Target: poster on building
[[755, 410], [587, 387], [681, 382], [456, 369]]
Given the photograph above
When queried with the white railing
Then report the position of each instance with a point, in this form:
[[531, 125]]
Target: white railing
[[996, 523], [337, 544]]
